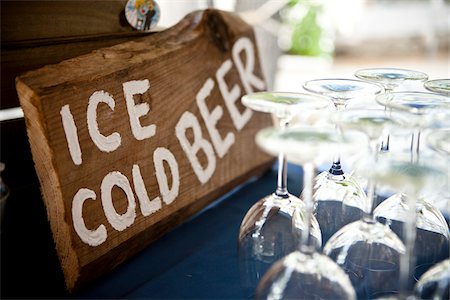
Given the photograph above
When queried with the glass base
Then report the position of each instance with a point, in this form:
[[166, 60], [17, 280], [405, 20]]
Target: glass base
[[337, 203], [369, 253], [305, 276], [432, 235], [435, 284], [268, 233]]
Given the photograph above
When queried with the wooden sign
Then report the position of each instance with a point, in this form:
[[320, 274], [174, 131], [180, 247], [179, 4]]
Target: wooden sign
[[131, 140]]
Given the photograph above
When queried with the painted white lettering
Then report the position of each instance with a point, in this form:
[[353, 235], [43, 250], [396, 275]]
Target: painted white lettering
[[147, 206], [248, 78], [118, 222], [188, 120], [230, 97], [159, 156], [90, 237], [135, 111], [104, 143], [70, 130], [211, 119]]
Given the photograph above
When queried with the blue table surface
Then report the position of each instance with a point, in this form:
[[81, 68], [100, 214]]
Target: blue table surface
[[198, 259]]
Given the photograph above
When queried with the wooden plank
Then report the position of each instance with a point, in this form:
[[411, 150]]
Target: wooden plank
[[37, 33], [158, 119], [28, 20], [18, 58]]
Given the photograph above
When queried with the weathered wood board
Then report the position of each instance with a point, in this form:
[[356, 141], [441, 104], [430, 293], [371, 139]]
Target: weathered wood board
[[46, 20], [41, 32], [131, 140]]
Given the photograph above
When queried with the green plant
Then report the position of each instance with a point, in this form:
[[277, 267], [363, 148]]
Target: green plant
[[308, 36]]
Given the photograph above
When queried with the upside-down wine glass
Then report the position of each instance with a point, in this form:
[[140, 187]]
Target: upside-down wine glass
[[410, 178], [435, 283], [432, 241], [339, 198], [436, 133], [306, 273], [368, 251], [439, 141], [439, 86], [391, 79], [268, 232], [417, 103], [432, 238]]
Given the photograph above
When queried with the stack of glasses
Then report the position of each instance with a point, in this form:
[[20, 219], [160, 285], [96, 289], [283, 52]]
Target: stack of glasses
[[343, 238]]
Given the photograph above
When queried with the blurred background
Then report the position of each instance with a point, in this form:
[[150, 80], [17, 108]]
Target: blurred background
[[307, 39], [298, 39]]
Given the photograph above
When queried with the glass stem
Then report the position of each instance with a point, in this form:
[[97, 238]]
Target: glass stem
[[415, 146], [388, 88], [371, 194], [385, 137], [336, 168], [371, 186], [407, 261], [281, 190], [385, 142], [308, 182]]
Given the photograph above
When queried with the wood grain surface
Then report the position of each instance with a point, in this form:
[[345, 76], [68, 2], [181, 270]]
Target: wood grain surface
[[37, 33]]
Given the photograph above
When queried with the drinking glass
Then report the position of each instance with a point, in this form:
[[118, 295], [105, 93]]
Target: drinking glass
[[435, 283], [432, 241], [418, 103], [439, 141], [391, 78], [410, 178], [268, 231], [440, 86], [305, 273], [339, 197], [368, 251]]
